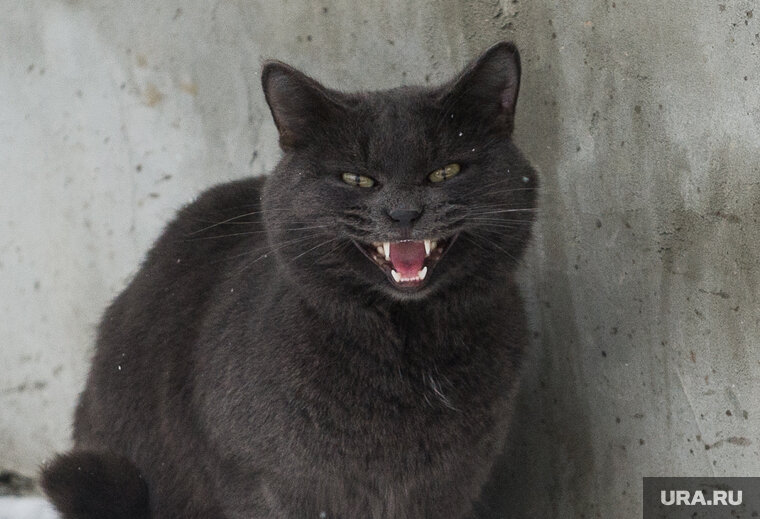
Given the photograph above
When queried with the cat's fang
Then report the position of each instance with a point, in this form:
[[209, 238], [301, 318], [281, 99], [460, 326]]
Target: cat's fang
[[427, 247], [422, 273], [396, 276], [387, 247]]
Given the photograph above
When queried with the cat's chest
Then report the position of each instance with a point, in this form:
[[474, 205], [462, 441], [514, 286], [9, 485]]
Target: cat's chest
[[396, 385], [400, 386]]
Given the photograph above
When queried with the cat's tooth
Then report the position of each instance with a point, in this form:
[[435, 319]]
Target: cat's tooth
[[387, 252], [380, 250], [396, 276], [422, 273], [427, 247]]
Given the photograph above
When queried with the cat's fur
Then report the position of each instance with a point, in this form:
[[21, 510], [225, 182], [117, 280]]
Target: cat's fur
[[260, 365]]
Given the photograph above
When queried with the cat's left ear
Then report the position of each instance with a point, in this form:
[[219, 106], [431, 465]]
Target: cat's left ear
[[300, 105], [488, 86]]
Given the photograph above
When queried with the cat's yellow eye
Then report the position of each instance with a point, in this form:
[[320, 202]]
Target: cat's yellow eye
[[444, 173], [357, 180]]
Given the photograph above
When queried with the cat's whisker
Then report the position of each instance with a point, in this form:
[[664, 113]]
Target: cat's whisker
[[498, 220], [491, 243], [476, 275], [500, 214], [331, 252], [522, 214], [246, 233], [251, 213], [277, 244], [527, 216], [511, 190], [272, 247], [223, 222], [500, 177], [484, 187], [313, 248], [478, 245], [255, 222], [497, 229], [492, 192], [497, 233], [494, 225], [502, 209]]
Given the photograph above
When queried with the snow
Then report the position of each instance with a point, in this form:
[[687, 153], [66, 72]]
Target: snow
[[26, 508]]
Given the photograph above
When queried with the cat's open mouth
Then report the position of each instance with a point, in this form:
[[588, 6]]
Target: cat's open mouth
[[407, 263]]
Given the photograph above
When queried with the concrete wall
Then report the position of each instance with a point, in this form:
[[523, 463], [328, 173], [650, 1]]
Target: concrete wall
[[643, 117]]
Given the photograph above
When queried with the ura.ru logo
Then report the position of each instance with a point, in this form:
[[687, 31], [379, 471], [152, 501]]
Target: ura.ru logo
[[698, 497]]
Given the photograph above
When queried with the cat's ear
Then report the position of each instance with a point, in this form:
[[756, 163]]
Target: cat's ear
[[300, 106], [489, 85]]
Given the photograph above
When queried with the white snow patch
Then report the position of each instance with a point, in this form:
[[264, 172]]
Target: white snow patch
[[26, 508]]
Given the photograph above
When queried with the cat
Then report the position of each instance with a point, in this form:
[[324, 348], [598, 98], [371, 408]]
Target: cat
[[340, 339]]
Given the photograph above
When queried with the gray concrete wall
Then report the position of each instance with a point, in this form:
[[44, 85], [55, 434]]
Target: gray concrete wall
[[643, 117]]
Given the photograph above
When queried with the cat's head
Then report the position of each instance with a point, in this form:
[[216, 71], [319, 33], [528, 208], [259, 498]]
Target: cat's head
[[400, 192]]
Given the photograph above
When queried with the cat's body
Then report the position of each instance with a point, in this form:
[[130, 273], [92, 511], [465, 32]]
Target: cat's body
[[260, 366]]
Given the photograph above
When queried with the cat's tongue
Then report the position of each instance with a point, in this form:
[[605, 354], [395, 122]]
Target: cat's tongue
[[407, 257]]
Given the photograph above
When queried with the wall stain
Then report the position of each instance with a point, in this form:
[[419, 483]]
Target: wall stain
[[189, 87], [152, 95]]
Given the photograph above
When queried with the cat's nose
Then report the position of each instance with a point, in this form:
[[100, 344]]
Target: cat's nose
[[405, 215]]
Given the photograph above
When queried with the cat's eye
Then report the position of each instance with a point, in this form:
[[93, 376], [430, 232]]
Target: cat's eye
[[444, 173], [357, 180]]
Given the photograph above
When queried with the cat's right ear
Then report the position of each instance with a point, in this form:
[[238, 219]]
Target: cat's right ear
[[300, 106], [488, 86]]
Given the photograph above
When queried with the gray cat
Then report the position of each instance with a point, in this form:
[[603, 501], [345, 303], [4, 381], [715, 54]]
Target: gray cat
[[340, 339]]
